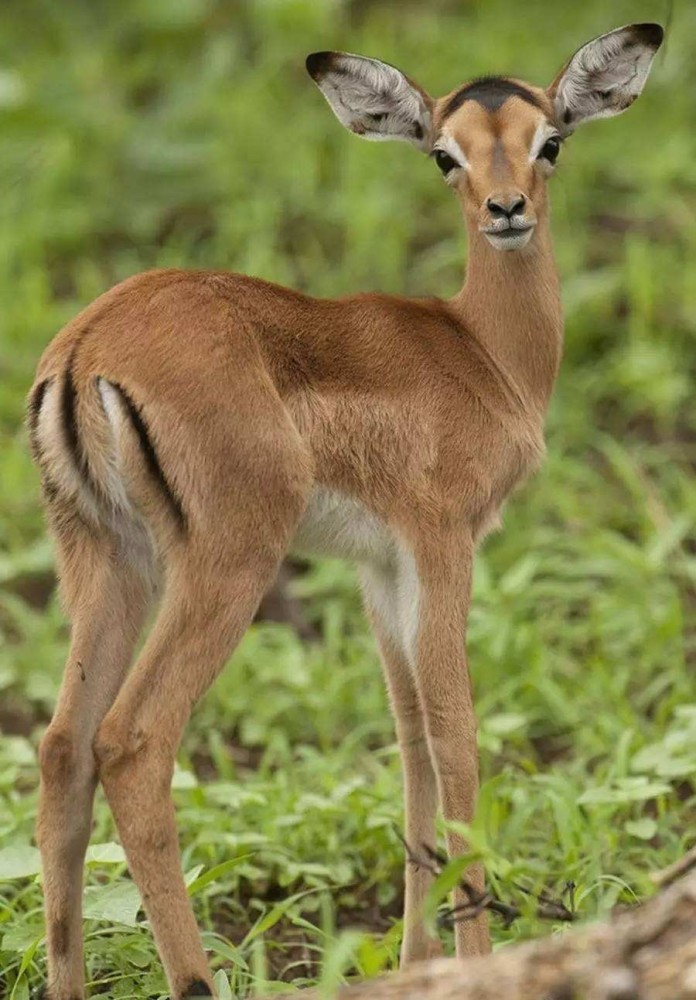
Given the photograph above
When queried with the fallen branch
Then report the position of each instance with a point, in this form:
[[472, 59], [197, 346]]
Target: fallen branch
[[645, 953]]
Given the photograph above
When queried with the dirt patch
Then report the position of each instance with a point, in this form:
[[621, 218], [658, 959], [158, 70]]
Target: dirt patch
[[293, 953], [244, 757], [552, 747]]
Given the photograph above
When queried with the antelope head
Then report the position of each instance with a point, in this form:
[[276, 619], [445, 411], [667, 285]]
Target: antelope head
[[496, 139]]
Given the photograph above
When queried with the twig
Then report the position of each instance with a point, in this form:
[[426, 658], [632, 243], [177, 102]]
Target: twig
[[548, 907]]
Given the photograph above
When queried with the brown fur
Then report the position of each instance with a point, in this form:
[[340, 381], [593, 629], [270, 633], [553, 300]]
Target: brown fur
[[231, 400]]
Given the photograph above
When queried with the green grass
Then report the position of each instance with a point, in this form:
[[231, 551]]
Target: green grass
[[187, 134]]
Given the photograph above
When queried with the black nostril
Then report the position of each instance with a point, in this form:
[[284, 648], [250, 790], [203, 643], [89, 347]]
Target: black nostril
[[507, 209], [495, 208]]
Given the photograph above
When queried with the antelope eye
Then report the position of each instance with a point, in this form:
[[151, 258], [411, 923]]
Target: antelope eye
[[551, 149], [444, 161]]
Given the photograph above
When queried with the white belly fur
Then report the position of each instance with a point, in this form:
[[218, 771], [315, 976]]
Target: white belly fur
[[335, 525]]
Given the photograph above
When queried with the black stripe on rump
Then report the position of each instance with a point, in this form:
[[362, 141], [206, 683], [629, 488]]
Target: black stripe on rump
[[36, 401], [33, 412], [148, 449], [68, 409], [490, 92]]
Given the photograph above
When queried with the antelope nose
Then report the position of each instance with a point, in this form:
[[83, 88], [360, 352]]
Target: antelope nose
[[505, 206]]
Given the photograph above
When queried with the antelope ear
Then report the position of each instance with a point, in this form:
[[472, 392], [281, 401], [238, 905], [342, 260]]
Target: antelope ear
[[372, 98], [605, 76]]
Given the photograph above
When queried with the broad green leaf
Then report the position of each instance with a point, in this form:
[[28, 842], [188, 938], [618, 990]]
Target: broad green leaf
[[505, 723], [19, 938], [19, 861], [110, 853], [117, 902], [624, 791], [183, 780], [644, 828], [222, 986]]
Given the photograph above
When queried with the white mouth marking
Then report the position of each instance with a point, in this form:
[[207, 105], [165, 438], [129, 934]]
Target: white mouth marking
[[510, 239]]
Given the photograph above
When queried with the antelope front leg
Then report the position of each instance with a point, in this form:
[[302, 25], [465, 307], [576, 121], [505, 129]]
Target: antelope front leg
[[444, 687], [382, 600]]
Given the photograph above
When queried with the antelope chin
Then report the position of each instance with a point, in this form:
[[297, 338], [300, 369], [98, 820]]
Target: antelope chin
[[510, 238]]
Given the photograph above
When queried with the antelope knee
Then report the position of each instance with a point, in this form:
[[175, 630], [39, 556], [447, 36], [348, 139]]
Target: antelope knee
[[58, 756], [112, 747]]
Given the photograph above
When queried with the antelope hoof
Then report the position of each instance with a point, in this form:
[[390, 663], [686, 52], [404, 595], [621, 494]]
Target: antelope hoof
[[196, 988]]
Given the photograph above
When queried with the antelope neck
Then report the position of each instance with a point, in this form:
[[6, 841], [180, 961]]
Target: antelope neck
[[511, 302]]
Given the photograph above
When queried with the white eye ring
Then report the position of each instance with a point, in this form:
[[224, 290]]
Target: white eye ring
[[545, 133], [449, 157]]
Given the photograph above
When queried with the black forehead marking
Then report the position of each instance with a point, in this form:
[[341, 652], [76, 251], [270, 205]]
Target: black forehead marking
[[491, 92]]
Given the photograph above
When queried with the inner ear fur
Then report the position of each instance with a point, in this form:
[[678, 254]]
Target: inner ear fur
[[372, 98], [605, 76]]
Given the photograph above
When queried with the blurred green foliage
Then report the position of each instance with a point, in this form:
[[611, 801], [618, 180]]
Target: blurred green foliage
[[185, 132]]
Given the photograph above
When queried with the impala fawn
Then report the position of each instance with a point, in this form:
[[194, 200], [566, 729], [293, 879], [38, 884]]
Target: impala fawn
[[193, 427]]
